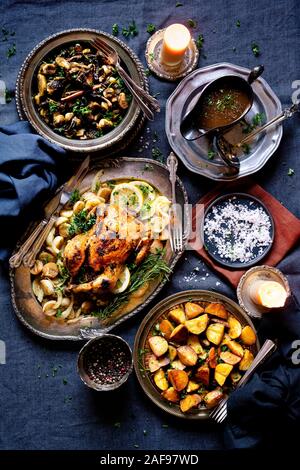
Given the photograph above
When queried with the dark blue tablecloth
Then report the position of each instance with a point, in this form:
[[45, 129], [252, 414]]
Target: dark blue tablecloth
[[42, 401]]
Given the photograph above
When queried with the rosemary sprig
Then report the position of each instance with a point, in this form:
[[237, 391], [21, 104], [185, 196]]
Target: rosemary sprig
[[151, 268]]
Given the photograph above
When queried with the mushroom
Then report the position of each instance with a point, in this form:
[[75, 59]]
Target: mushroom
[[122, 100], [62, 62], [104, 123], [37, 267], [94, 106], [46, 257], [42, 87], [69, 116], [55, 85], [64, 230], [76, 121], [107, 69], [37, 290], [80, 133], [58, 119], [78, 207], [109, 92], [47, 286], [49, 308], [50, 270], [48, 69]]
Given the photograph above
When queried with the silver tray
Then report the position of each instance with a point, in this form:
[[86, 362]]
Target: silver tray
[[25, 304], [118, 138], [194, 154]]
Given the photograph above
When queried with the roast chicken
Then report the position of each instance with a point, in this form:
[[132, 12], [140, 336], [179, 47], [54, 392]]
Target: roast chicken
[[104, 250]]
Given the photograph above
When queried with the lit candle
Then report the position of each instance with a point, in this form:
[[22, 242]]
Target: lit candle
[[176, 40], [268, 294]]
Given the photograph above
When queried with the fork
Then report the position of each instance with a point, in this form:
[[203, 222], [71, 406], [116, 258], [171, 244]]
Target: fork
[[220, 412], [146, 102], [176, 239]]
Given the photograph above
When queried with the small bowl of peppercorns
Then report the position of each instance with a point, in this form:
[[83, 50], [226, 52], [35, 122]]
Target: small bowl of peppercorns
[[105, 362]]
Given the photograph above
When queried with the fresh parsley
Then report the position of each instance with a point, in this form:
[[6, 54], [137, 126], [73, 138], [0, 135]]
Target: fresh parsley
[[157, 154], [115, 29], [211, 154], [255, 49], [11, 51], [75, 196], [179, 4], [238, 23], [151, 28], [192, 23], [200, 41], [8, 96], [291, 172], [53, 106], [131, 30], [81, 223]]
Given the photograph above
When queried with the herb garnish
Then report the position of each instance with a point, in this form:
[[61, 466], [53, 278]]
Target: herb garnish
[[151, 28], [53, 106], [246, 148], [75, 196], [115, 29], [192, 23], [257, 120], [130, 31], [255, 49], [81, 223], [291, 172], [211, 154], [148, 72], [200, 41], [8, 96], [179, 4], [157, 154], [79, 108], [11, 51], [238, 23]]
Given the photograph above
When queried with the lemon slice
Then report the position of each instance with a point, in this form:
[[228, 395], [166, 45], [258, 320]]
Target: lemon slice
[[148, 191], [128, 196], [122, 282], [162, 205]]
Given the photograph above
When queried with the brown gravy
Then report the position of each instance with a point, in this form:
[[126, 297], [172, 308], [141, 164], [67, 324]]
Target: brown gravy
[[222, 106]]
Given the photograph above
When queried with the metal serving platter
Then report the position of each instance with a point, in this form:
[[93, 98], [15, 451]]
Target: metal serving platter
[[25, 304], [194, 153], [147, 325], [118, 138]]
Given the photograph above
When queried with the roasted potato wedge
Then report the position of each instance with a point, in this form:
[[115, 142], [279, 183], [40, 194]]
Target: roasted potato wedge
[[247, 360], [192, 386], [158, 345], [178, 365], [194, 343], [171, 395], [221, 373], [160, 380], [235, 328], [190, 401], [215, 333], [218, 310], [230, 358], [202, 374], [172, 353], [177, 315], [166, 328], [152, 363], [187, 355], [197, 325], [235, 348], [213, 398], [235, 376], [179, 334], [212, 358], [192, 310], [248, 336], [178, 378]]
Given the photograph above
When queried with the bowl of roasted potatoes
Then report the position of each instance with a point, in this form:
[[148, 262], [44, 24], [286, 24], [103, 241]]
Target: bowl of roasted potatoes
[[191, 350]]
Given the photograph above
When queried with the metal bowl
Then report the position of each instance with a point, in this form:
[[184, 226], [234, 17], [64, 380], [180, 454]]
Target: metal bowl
[[147, 325], [121, 135], [87, 380]]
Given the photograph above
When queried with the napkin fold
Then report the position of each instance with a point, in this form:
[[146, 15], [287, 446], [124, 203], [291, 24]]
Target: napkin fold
[[287, 226], [266, 411], [30, 170]]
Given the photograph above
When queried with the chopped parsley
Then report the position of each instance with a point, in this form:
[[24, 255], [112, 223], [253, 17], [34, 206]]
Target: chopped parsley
[[238, 23], [130, 31], [8, 96], [200, 41], [179, 4], [257, 120], [80, 109], [81, 223], [151, 56], [11, 51], [148, 72], [291, 172], [115, 29], [192, 23], [255, 49], [53, 106], [75, 196], [246, 148], [151, 28], [211, 154], [157, 154], [148, 167]]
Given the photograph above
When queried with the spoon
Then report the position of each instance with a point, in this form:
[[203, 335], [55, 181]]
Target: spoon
[[227, 150]]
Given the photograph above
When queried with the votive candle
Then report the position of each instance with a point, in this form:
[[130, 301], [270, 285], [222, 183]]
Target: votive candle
[[175, 43], [269, 294]]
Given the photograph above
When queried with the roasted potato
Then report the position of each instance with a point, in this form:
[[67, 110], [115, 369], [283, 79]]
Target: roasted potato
[[229, 358], [177, 315], [212, 358], [197, 325], [172, 353], [178, 378], [192, 386], [225, 339], [166, 328], [158, 345], [235, 348], [179, 334], [221, 373], [190, 401], [248, 336], [235, 377], [247, 360], [235, 328], [215, 333], [213, 398], [187, 355], [177, 364], [160, 380], [171, 395], [152, 363], [192, 310], [194, 343], [202, 374], [218, 310]]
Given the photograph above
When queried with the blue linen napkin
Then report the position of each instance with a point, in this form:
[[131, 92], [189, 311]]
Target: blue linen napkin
[[266, 411], [30, 170]]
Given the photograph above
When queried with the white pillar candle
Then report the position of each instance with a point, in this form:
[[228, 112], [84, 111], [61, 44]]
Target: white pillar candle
[[175, 42], [268, 294]]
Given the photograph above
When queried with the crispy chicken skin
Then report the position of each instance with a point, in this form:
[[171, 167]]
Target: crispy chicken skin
[[103, 283], [74, 253]]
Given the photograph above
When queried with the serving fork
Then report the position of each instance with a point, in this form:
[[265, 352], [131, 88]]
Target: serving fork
[[146, 102], [220, 412], [29, 249], [176, 231]]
